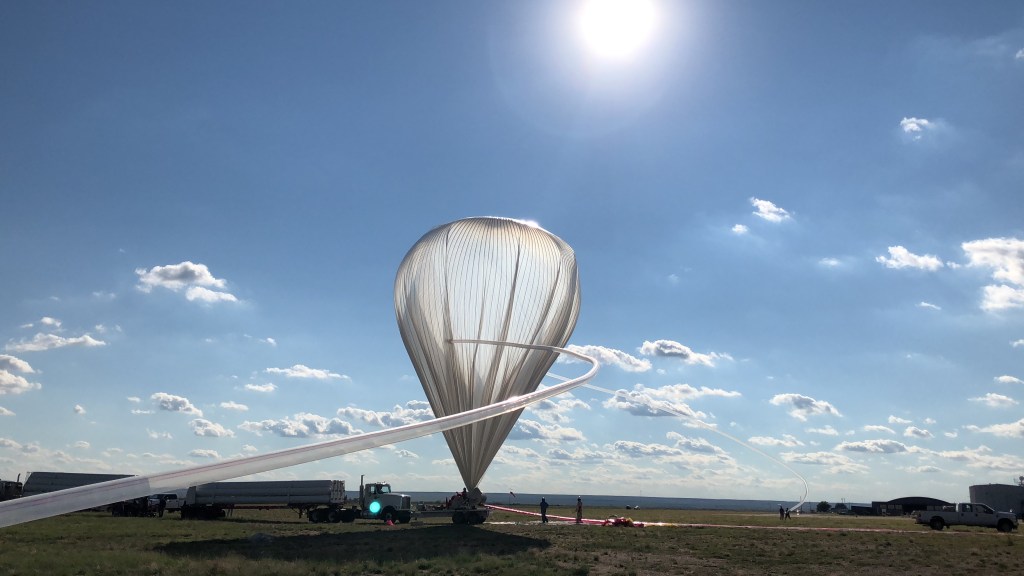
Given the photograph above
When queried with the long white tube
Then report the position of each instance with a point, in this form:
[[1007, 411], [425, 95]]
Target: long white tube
[[83, 497]]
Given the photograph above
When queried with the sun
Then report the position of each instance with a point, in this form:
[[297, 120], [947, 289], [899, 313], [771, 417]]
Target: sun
[[617, 30]]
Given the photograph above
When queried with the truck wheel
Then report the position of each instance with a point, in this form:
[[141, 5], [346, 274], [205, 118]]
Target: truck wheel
[[1004, 525], [348, 516], [404, 517], [937, 523], [389, 511], [334, 516]]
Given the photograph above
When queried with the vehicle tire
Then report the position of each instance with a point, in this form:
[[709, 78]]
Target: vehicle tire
[[937, 523], [388, 511], [348, 516], [1004, 525], [458, 518], [334, 515], [404, 517]]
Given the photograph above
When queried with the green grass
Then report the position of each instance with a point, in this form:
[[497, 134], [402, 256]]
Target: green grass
[[278, 542]]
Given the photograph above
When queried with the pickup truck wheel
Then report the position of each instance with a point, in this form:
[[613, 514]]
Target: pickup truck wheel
[[1004, 525], [937, 523]]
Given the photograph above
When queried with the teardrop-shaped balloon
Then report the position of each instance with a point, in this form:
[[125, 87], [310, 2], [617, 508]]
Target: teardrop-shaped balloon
[[484, 279]]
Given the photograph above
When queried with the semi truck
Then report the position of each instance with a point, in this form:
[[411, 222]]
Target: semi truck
[[321, 501], [967, 514]]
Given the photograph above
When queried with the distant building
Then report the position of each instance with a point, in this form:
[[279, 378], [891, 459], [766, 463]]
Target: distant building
[[904, 506], [1002, 497]]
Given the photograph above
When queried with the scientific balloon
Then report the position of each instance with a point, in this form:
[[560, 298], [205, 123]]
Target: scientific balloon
[[484, 279]]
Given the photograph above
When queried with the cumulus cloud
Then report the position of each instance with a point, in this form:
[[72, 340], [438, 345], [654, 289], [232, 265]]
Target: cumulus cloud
[[915, 432], [672, 349], [826, 430], [5, 412], [768, 210], [302, 425], [556, 411], [881, 446], [877, 428], [302, 371], [1017, 343], [264, 388], [834, 463], [41, 342], [982, 457], [993, 400], [609, 357], [1006, 379], [898, 420], [1019, 55], [231, 405], [172, 403], [803, 406], [202, 427], [740, 229], [665, 401], [1010, 430], [829, 262], [195, 279], [11, 383], [787, 441], [900, 257], [413, 411], [916, 128], [533, 430], [204, 453], [78, 409], [1005, 256], [928, 305]]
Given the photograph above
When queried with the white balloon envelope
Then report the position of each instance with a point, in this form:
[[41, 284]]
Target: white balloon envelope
[[484, 279]]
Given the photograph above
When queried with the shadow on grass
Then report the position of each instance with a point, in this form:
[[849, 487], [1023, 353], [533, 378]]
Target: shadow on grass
[[379, 546]]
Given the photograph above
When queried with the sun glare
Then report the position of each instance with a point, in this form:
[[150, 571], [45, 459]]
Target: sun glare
[[617, 29]]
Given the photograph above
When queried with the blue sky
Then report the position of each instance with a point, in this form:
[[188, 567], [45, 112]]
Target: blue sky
[[799, 221]]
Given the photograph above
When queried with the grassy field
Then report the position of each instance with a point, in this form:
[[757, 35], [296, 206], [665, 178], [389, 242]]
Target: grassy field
[[279, 542]]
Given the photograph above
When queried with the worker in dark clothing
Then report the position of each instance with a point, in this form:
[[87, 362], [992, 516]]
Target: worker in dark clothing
[[543, 511]]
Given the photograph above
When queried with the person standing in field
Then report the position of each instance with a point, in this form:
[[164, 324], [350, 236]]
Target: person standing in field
[[579, 510], [543, 511], [782, 512]]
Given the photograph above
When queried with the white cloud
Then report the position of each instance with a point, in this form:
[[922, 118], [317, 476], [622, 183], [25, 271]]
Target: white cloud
[[803, 406], [134, 399], [608, 357], [302, 371], [665, 401], [5, 412], [1006, 379], [1017, 343], [533, 430], [673, 349], [41, 342], [413, 411], [993, 400], [79, 409], [206, 295], [204, 453], [261, 387], [202, 427], [82, 445], [916, 128], [900, 257], [1010, 430], [15, 384], [269, 341], [928, 305], [881, 446], [231, 405], [898, 420], [1019, 55], [769, 211], [1005, 256], [829, 262], [835, 463], [196, 279], [787, 441], [302, 425], [13, 364], [826, 430], [915, 432], [740, 229], [172, 403], [878, 428], [556, 411]]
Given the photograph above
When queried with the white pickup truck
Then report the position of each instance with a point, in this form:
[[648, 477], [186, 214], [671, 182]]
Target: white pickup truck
[[972, 514]]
